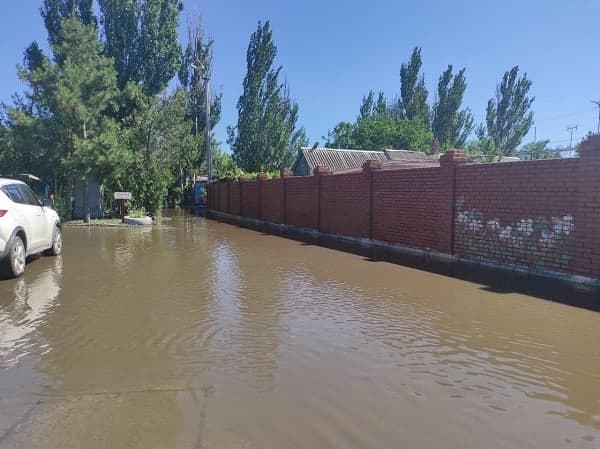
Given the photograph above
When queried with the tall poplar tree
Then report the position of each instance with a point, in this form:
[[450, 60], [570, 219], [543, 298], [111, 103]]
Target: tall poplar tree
[[412, 104], [55, 11], [509, 116], [141, 36], [267, 115], [450, 125]]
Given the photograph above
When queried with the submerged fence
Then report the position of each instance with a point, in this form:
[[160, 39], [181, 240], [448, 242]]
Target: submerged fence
[[540, 215]]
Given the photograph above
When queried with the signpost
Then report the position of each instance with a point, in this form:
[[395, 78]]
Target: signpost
[[122, 197]]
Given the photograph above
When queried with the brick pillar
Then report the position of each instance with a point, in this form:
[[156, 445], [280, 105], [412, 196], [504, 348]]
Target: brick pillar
[[284, 174], [217, 195], [587, 210], [228, 196], [369, 167], [208, 196], [448, 163], [260, 178], [318, 172], [242, 180]]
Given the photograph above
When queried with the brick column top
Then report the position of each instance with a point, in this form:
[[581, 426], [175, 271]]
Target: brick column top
[[286, 173], [244, 178], [262, 177], [371, 164], [453, 157], [590, 146], [321, 170]]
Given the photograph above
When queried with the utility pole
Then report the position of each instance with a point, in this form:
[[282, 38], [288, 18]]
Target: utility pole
[[597, 103], [208, 145], [571, 128]]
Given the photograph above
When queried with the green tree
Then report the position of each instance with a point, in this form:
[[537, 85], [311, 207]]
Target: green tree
[[55, 11], [141, 36], [509, 116], [267, 115], [450, 125], [412, 104], [298, 140], [482, 150], [342, 136], [538, 150], [163, 149], [195, 69], [379, 133], [75, 96], [120, 22], [372, 106]]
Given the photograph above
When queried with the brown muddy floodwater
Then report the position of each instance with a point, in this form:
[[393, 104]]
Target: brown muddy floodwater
[[198, 334]]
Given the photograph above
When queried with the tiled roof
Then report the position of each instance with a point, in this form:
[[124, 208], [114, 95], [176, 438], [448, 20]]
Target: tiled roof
[[337, 160], [340, 160], [411, 156]]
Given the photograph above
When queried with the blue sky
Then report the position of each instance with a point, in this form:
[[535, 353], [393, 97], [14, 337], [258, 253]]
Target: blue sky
[[333, 52]]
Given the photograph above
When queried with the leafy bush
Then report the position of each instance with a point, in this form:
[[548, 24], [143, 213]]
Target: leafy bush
[[137, 213], [62, 208]]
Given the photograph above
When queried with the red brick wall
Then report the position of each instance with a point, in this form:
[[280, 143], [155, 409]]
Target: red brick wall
[[249, 199], [587, 219], [406, 208], [234, 198], [541, 215], [344, 204], [272, 200], [222, 206], [519, 213], [300, 202]]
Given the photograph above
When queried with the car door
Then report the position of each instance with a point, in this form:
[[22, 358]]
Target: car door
[[22, 212], [39, 231]]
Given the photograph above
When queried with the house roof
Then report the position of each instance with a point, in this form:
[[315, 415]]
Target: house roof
[[411, 156], [338, 159], [342, 160]]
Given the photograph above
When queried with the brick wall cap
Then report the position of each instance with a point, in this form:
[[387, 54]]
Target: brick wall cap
[[371, 164], [262, 177], [453, 157], [321, 170], [286, 173]]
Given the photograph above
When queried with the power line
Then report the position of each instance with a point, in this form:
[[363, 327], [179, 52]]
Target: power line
[[567, 114]]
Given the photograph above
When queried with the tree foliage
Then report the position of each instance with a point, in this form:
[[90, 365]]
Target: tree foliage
[[95, 107], [412, 104], [539, 150], [267, 115], [379, 133], [141, 36], [509, 116], [54, 12], [450, 125], [373, 107], [196, 68]]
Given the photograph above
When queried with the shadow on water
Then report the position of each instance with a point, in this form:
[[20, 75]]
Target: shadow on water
[[493, 279]]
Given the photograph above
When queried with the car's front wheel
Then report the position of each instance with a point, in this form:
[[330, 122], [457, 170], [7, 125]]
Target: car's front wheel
[[57, 244], [15, 260]]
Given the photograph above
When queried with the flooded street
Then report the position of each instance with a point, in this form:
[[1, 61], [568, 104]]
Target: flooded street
[[198, 334]]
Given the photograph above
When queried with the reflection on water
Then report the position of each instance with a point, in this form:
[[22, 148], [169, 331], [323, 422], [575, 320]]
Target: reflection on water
[[33, 297], [199, 334]]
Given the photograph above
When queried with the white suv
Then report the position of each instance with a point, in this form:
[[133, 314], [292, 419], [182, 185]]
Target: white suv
[[26, 227]]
